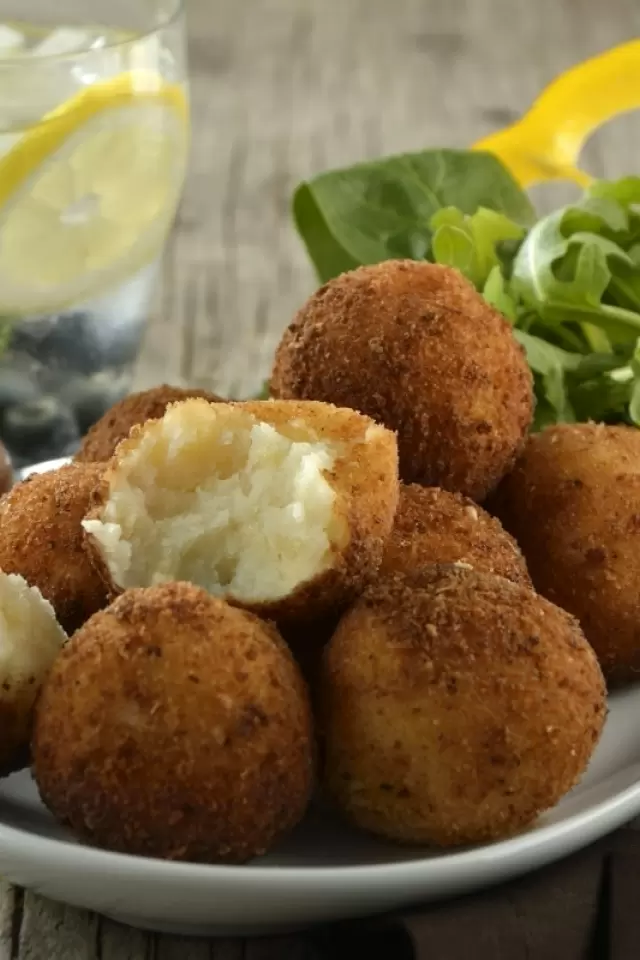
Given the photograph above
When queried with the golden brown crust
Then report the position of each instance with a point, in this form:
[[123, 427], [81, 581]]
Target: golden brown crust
[[414, 346], [573, 503], [41, 538], [175, 726], [101, 440], [434, 526], [457, 706], [16, 720], [366, 479]]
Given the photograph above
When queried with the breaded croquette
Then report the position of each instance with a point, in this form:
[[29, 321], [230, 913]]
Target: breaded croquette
[[456, 707], [414, 346], [31, 640], [104, 436], [573, 504], [173, 725], [279, 507], [434, 526], [41, 538]]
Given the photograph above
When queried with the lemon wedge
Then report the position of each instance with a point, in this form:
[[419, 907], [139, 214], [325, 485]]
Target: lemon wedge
[[88, 195]]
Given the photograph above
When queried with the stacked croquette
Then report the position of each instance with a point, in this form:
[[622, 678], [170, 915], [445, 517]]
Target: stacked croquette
[[270, 597]]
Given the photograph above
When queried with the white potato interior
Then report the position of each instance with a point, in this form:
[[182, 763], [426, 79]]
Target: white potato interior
[[30, 637], [213, 496]]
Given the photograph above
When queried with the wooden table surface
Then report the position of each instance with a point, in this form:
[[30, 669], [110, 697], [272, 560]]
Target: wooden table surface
[[282, 89]]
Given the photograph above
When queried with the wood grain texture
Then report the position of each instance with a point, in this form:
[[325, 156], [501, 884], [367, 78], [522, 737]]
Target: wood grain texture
[[281, 90], [285, 88]]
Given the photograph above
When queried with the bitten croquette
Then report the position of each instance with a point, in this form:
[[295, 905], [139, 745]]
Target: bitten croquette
[[573, 503], [456, 707], [280, 507], [101, 440], [434, 526], [31, 640], [415, 347], [173, 725], [41, 538]]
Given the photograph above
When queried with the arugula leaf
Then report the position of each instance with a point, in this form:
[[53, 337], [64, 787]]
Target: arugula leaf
[[471, 243], [596, 215], [634, 404], [495, 292], [550, 363], [454, 246], [374, 211], [560, 296], [626, 190], [538, 282], [634, 399], [603, 398]]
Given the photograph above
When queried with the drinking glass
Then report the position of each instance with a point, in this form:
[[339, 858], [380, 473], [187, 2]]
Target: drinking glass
[[94, 132]]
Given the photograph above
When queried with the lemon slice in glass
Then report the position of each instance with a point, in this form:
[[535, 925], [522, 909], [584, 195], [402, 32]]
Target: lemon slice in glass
[[87, 196]]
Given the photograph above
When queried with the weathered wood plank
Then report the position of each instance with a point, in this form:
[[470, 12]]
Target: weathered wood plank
[[181, 948], [117, 942], [53, 931], [11, 900], [283, 88]]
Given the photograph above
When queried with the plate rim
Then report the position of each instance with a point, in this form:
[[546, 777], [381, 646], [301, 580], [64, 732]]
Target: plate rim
[[538, 843], [611, 812]]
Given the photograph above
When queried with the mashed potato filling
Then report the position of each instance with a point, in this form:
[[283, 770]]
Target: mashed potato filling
[[213, 496], [30, 635]]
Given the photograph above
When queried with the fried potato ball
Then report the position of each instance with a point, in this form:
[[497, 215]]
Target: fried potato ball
[[434, 526], [413, 345], [30, 640], [173, 725], [101, 440], [456, 707], [573, 504], [279, 507], [41, 538]]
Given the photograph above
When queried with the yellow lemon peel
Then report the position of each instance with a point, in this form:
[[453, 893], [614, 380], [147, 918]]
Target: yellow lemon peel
[[546, 143], [86, 196]]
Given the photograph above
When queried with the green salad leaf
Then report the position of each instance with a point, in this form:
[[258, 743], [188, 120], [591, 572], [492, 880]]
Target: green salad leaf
[[568, 282], [471, 242], [381, 210], [496, 292]]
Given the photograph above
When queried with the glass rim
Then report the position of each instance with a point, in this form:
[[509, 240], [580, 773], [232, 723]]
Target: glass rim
[[18, 60]]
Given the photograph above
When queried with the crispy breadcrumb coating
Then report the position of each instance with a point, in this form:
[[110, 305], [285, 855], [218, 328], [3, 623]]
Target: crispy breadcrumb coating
[[101, 440], [41, 538], [573, 503], [456, 707], [173, 725], [434, 526], [413, 345]]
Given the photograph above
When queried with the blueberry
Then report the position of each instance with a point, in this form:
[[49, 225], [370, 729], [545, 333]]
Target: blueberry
[[121, 343], [65, 342], [15, 388], [79, 342], [39, 430]]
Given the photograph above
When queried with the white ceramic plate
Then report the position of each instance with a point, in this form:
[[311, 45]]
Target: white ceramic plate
[[324, 871]]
